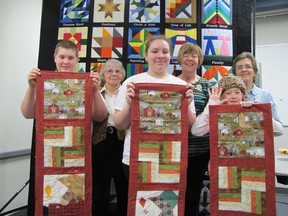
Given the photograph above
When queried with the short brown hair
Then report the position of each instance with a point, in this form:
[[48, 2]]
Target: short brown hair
[[68, 45], [190, 48], [157, 37], [244, 55]]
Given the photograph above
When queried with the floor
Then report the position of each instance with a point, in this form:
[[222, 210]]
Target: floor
[[281, 204]]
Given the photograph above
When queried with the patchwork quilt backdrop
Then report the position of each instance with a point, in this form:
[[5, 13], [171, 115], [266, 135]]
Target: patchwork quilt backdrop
[[118, 29], [63, 137]]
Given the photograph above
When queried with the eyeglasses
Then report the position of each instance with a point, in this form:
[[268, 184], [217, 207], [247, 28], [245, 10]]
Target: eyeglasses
[[242, 67], [110, 71]]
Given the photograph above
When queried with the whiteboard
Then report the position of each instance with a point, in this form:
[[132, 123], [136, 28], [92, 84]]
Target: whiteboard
[[273, 72]]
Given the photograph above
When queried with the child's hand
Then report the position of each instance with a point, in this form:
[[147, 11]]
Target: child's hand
[[130, 93], [215, 95], [32, 77], [96, 81]]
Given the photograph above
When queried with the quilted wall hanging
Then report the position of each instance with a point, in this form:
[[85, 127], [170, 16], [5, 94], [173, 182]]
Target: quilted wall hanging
[[158, 160], [118, 29], [242, 178], [63, 137]]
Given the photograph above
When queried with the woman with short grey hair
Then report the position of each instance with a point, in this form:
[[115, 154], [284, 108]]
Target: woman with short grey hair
[[107, 148]]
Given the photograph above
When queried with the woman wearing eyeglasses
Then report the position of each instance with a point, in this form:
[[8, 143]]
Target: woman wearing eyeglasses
[[245, 67], [107, 147]]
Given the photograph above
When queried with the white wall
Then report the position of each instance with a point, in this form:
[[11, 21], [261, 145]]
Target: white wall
[[20, 24], [20, 30], [269, 31]]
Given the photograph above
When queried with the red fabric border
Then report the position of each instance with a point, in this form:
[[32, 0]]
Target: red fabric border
[[267, 163], [136, 136], [41, 122]]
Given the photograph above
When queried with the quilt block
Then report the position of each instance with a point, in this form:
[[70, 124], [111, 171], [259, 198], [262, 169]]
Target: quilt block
[[158, 158], [242, 178], [63, 137]]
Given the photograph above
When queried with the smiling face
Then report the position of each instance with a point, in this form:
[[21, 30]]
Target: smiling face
[[234, 95], [245, 70], [158, 57], [113, 75], [189, 63], [66, 60]]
